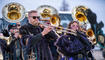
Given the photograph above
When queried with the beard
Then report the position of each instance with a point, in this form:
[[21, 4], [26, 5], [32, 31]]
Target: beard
[[36, 24]]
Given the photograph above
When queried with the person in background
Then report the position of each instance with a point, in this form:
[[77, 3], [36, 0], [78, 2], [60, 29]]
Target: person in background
[[11, 49]]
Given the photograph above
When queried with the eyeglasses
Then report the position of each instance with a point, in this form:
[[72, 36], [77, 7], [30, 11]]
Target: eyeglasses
[[34, 17]]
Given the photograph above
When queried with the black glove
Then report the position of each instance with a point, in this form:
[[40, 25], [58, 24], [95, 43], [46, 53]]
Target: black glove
[[5, 33], [80, 33], [83, 38]]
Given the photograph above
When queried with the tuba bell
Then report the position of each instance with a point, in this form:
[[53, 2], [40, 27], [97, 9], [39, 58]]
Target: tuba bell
[[79, 14], [13, 12], [48, 14]]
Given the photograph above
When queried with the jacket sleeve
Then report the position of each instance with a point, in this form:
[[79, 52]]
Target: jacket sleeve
[[51, 35], [85, 41], [63, 46], [3, 44], [61, 42], [34, 39]]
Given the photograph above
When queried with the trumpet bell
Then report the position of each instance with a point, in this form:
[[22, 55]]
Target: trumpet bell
[[45, 11], [90, 32], [91, 36], [13, 12]]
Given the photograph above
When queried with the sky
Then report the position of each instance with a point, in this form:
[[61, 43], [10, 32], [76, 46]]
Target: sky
[[97, 6]]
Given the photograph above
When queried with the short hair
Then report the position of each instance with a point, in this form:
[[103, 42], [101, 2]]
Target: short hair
[[32, 11]]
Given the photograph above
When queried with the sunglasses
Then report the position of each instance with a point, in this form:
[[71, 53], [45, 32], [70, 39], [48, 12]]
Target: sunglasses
[[34, 17], [18, 24]]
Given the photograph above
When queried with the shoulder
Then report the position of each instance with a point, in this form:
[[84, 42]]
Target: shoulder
[[24, 30], [26, 26]]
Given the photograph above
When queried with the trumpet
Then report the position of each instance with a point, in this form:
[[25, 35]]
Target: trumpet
[[91, 36]]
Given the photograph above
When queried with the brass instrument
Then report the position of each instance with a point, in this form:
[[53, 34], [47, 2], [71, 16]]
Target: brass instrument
[[50, 14], [13, 12], [8, 39], [55, 22], [91, 36], [46, 11], [79, 14]]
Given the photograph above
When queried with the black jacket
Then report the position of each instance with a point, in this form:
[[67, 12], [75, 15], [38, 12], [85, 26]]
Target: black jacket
[[36, 40]]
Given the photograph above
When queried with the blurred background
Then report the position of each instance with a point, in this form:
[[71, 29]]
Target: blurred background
[[64, 7]]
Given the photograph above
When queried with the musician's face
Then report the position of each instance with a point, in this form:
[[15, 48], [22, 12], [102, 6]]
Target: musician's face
[[33, 19], [13, 30], [74, 26]]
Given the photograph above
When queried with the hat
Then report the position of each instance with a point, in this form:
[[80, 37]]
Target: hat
[[12, 26]]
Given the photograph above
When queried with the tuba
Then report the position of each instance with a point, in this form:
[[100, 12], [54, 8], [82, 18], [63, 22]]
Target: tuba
[[49, 15], [13, 12], [79, 14]]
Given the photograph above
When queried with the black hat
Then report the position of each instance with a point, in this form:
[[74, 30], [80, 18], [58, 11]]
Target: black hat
[[12, 26]]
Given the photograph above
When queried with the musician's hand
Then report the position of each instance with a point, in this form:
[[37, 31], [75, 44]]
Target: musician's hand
[[5, 33], [47, 30], [78, 33], [41, 25], [16, 35]]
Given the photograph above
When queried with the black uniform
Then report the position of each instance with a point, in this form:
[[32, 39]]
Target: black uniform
[[36, 42]]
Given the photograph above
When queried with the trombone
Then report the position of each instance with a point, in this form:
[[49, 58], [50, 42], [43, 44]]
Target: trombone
[[50, 14], [55, 22]]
